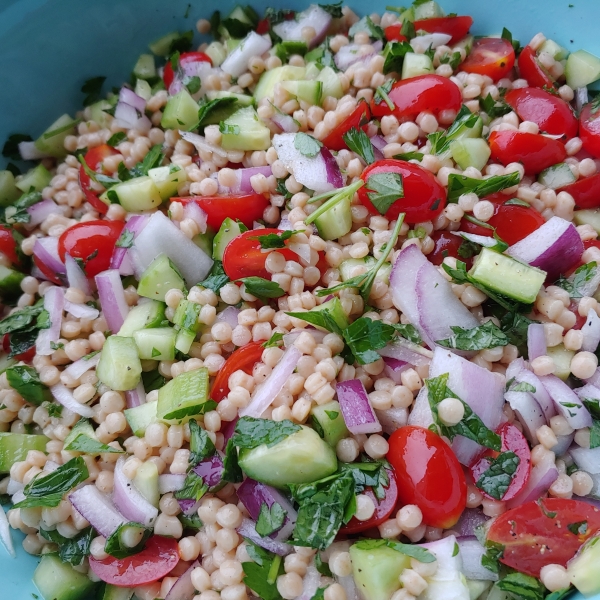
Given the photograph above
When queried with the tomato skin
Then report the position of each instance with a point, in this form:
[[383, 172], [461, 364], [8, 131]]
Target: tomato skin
[[184, 59], [84, 239], [425, 92], [446, 244], [531, 69], [93, 159], [457, 27], [585, 191], [589, 130], [156, 560], [393, 33], [383, 508], [535, 152], [358, 119], [525, 529], [8, 245], [428, 474], [551, 113], [493, 57], [243, 358], [26, 356], [244, 207], [421, 191]]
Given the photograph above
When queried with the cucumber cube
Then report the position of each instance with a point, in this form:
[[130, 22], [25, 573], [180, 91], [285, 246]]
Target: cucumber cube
[[57, 580], [160, 277], [335, 222], [146, 481], [562, 360], [119, 367], [15, 446], [428, 10], [216, 52], [229, 230], [98, 114], [139, 417], [156, 344], [184, 395], [583, 569], [143, 89], [10, 282], [582, 68], [265, 88], [181, 112], [167, 180], [35, 179], [149, 313], [184, 341], [557, 176], [589, 216], [138, 194], [331, 421], [145, 67], [309, 91], [470, 152], [8, 190], [332, 85], [244, 131], [162, 46], [52, 141], [555, 50], [415, 65]]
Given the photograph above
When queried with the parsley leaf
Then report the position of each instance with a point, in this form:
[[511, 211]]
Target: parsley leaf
[[417, 552], [507, 35], [216, 278], [453, 59], [522, 586], [488, 335], [274, 341], [251, 432], [385, 189], [307, 144], [579, 528], [228, 129], [201, 446], [125, 239], [366, 25], [182, 43], [192, 84], [71, 550], [358, 141], [410, 156], [116, 138], [576, 282], [381, 94], [409, 332], [209, 108], [193, 487], [494, 108], [441, 140], [595, 434], [496, 479], [459, 185], [394, 54], [271, 519], [26, 381], [335, 10], [365, 336], [92, 88], [262, 288], [324, 317], [151, 161], [54, 410], [231, 468], [275, 240], [11, 146], [261, 576]]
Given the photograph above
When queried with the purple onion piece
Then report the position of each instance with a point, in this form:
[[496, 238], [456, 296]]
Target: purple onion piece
[[183, 588], [334, 175], [210, 470], [248, 530], [357, 411], [536, 341], [112, 298]]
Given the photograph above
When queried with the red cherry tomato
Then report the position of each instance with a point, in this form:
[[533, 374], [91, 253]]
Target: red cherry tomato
[[534, 151], [187, 58], [383, 508], [244, 359], [457, 27], [424, 197], [243, 256], [156, 560], [551, 113], [525, 530], [493, 57], [411, 96], [93, 242], [93, 159], [589, 130], [446, 244], [26, 356], [428, 474], [8, 245], [393, 33], [358, 119], [585, 191], [513, 440], [246, 208], [531, 69]]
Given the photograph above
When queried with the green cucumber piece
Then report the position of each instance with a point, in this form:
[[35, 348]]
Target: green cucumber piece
[[335, 222], [553, 49], [184, 395], [507, 276], [415, 65], [309, 91], [137, 194], [139, 417], [332, 85], [8, 189], [162, 46], [300, 458], [15, 446], [186, 316], [243, 99], [98, 113], [145, 67], [312, 71], [244, 131], [156, 344], [167, 180], [583, 568], [466, 43], [477, 588], [562, 360], [112, 592], [330, 422], [265, 88], [228, 231], [181, 112], [35, 179], [119, 367], [427, 10], [334, 308], [204, 241], [582, 68], [146, 481], [52, 141], [57, 580], [590, 216], [10, 282], [184, 341], [143, 89], [148, 313], [557, 176], [470, 152], [160, 277], [216, 52]]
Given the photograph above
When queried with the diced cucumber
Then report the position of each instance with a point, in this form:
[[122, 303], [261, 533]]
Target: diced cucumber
[[583, 568], [229, 230], [137, 194], [415, 65], [145, 68], [507, 276], [181, 112], [82, 428], [156, 344], [146, 481], [243, 14], [557, 176], [57, 580], [10, 282], [335, 222], [334, 308], [112, 592], [52, 141], [139, 417], [588, 217], [5, 362], [309, 91], [184, 340], [466, 43], [332, 85], [470, 152], [167, 180], [477, 588], [231, 44], [98, 115], [243, 99], [497, 594], [265, 88], [348, 266], [186, 316], [244, 131], [553, 49], [330, 421], [285, 49], [160, 277], [119, 367], [562, 360], [15, 446], [216, 52], [162, 46], [8, 190], [300, 458], [204, 241], [312, 71], [184, 395], [582, 68], [427, 10], [143, 89], [148, 313], [35, 179]]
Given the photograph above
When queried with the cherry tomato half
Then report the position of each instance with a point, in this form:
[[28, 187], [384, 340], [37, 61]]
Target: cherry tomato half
[[8, 244], [246, 208], [534, 151], [26, 356], [243, 256], [585, 191], [244, 359], [531, 69], [412, 96], [446, 244], [158, 558], [493, 57], [91, 241], [383, 508], [424, 196], [457, 27], [544, 524], [428, 474], [358, 119], [93, 159], [393, 33], [187, 58], [551, 113], [589, 130]]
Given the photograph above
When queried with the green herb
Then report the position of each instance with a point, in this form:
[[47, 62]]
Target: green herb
[[151, 161], [190, 521], [494, 108], [116, 138], [236, 28], [468, 249], [319, 594], [335, 10], [408, 29], [453, 59], [201, 446], [307, 145], [459, 185], [125, 239], [182, 43], [496, 479], [270, 519], [366, 25], [381, 94], [358, 141], [103, 180], [26, 381], [367, 474], [54, 410], [410, 156], [394, 55], [11, 146], [365, 336], [275, 240], [22, 319], [207, 108], [71, 550], [507, 35], [493, 553], [278, 15], [517, 202], [565, 592], [92, 88], [409, 332], [320, 318], [228, 129], [251, 432], [334, 197], [274, 341], [579, 528], [482, 337], [17, 213], [417, 552], [231, 468], [193, 487], [419, 233], [522, 586], [86, 444], [332, 414], [152, 380], [523, 387], [115, 547], [192, 84], [261, 575], [262, 288], [576, 282], [595, 434], [471, 426], [385, 189], [441, 140], [321, 566], [216, 278]]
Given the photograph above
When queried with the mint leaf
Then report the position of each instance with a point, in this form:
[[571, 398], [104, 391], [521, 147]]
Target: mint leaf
[[209, 108], [579, 528], [335, 10], [523, 387], [409, 332], [201, 446], [459, 185], [231, 468], [26, 381], [394, 54], [365, 336], [216, 278], [262, 288], [193, 488], [417, 552], [270, 519], [71, 550], [274, 341], [251, 432], [496, 479], [575, 283], [274, 240], [494, 108], [522, 586], [116, 138], [92, 88], [125, 239], [114, 543], [385, 188], [381, 94], [488, 335], [307, 145]]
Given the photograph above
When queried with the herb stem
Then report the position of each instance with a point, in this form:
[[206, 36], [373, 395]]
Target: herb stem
[[274, 570], [339, 196], [385, 97]]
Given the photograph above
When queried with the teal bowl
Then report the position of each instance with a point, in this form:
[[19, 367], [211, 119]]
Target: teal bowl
[[48, 48]]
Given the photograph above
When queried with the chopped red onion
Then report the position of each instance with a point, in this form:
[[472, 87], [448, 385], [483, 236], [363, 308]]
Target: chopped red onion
[[252, 45], [126, 114], [5, 536], [543, 475], [243, 183], [28, 151], [536, 341], [379, 143], [591, 332], [314, 16], [54, 303], [310, 583], [201, 144], [357, 411], [350, 54], [170, 482], [81, 366], [394, 369], [64, 396], [229, 316], [405, 351], [76, 277], [266, 392], [469, 521], [286, 123], [588, 391], [211, 470], [567, 402], [183, 588], [422, 43], [14, 486], [130, 97], [228, 429], [192, 211], [334, 175], [471, 552], [587, 459], [248, 530], [46, 251], [112, 298], [290, 338], [285, 225], [97, 508], [81, 311], [130, 502], [554, 247], [595, 378], [540, 394], [528, 412], [39, 212], [392, 419], [136, 396], [135, 224]]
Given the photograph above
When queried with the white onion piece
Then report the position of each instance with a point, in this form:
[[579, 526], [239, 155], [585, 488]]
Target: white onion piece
[[170, 482], [5, 536], [135, 224], [201, 144], [76, 277], [14, 486], [591, 332], [192, 211], [587, 459], [46, 250], [229, 316], [130, 502], [96, 508], [64, 396], [285, 225], [286, 123], [392, 419], [28, 151], [542, 476], [304, 253], [528, 412], [357, 411], [587, 288], [130, 97], [247, 529], [422, 43], [481, 240], [266, 392], [81, 311], [18, 497], [81, 366], [310, 583], [420, 414], [448, 582], [183, 588], [112, 298], [471, 552], [39, 212], [536, 341], [351, 54], [162, 236], [290, 338], [252, 45], [567, 402], [54, 303], [581, 98], [541, 395], [314, 16], [406, 351], [136, 396]]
